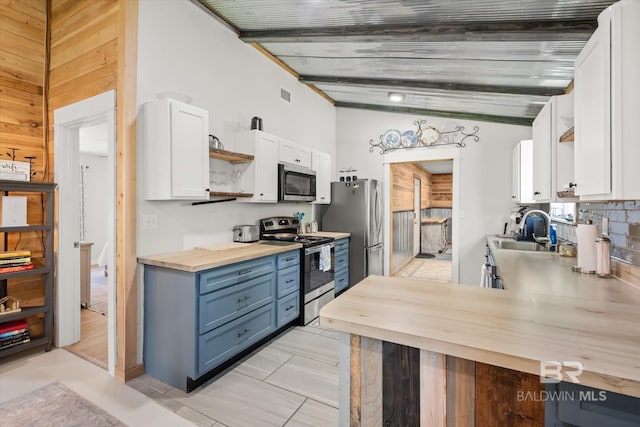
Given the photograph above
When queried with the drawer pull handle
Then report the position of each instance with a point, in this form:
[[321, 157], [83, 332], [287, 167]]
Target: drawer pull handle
[[243, 299], [289, 259], [290, 280], [244, 332], [290, 307], [243, 272]]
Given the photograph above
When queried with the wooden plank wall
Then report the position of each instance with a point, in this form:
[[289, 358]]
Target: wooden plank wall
[[402, 186], [23, 32], [442, 190]]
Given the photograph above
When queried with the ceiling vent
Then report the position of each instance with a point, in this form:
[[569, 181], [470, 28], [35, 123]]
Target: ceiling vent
[[285, 95]]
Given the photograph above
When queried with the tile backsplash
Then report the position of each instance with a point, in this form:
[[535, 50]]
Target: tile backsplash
[[624, 226]]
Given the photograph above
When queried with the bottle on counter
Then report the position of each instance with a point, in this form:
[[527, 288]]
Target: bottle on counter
[[603, 251]]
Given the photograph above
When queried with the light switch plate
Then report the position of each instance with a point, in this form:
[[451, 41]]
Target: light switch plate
[[149, 221]]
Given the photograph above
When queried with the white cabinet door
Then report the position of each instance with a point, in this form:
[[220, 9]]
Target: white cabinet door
[[175, 144], [515, 177], [542, 154], [592, 91], [321, 163], [261, 177], [266, 162], [526, 171], [292, 153], [189, 152]]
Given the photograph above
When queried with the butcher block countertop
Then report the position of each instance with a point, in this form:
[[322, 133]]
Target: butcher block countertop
[[334, 235], [433, 220], [206, 257], [513, 330]]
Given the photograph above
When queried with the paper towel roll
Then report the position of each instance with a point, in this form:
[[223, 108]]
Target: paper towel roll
[[587, 235]]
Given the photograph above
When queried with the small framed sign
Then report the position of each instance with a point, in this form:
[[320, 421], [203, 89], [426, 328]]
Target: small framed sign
[[15, 171]]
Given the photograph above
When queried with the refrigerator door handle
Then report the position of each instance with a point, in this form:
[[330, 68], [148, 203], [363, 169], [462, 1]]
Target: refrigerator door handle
[[378, 211]]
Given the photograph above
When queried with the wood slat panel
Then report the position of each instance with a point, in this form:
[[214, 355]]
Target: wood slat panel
[[371, 382], [461, 392], [86, 40], [402, 188], [29, 289], [94, 82], [400, 385], [355, 372], [433, 389], [77, 17], [34, 8], [20, 16], [13, 83], [14, 66], [20, 45], [99, 57]]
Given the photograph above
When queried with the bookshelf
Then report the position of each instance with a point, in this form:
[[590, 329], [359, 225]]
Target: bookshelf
[[44, 267]]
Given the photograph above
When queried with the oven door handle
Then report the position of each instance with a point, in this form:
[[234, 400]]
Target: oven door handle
[[316, 249]]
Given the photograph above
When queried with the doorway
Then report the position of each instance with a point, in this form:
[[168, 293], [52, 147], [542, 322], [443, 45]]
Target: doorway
[[416, 215], [438, 258], [86, 332]]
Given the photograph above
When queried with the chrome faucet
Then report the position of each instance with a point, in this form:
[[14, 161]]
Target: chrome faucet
[[541, 240]]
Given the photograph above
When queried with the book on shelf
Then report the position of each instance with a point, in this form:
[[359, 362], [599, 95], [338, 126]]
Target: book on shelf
[[14, 254], [11, 269], [13, 333], [15, 261], [20, 338], [14, 325], [15, 343]]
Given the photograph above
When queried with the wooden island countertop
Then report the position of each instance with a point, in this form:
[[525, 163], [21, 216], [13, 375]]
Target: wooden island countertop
[[514, 330]]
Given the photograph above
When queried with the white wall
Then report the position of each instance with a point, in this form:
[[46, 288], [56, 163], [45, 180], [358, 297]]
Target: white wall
[[95, 202], [185, 50], [485, 171]]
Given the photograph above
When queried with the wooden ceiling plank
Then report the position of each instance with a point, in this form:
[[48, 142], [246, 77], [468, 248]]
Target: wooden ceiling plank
[[421, 84], [520, 121], [520, 31]]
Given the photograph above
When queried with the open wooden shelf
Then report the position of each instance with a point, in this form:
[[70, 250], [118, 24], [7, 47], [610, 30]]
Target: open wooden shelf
[[228, 194], [230, 156], [567, 136]]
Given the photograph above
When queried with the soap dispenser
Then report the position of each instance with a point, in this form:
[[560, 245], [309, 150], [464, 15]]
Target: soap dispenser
[[603, 251]]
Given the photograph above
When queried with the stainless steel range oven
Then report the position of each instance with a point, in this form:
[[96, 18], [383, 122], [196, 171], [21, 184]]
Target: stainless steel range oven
[[317, 279], [316, 268]]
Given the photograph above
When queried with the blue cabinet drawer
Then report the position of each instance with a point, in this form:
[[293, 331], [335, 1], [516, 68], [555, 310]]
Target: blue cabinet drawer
[[288, 309], [341, 280], [342, 245], [288, 280], [222, 277], [340, 261], [224, 342], [224, 305], [288, 259]]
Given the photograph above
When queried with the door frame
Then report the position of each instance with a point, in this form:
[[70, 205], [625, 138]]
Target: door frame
[[422, 155], [417, 204], [67, 122]]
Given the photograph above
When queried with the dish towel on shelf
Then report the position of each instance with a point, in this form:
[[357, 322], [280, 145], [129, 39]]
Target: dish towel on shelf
[[325, 258], [485, 276]]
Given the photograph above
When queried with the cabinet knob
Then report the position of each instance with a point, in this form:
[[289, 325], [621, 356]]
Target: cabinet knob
[[513, 197], [571, 185], [206, 189], [322, 198], [261, 194], [536, 193]]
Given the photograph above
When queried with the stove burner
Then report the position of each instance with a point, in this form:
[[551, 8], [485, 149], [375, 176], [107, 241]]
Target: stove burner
[[285, 229]]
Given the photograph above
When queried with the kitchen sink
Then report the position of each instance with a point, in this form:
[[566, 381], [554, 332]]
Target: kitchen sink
[[520, 246]]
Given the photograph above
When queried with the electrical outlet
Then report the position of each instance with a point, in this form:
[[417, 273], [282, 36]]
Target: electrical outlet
[[149, 221]]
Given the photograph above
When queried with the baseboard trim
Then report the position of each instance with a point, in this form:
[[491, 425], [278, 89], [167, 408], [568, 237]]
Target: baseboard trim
[[129, 374]]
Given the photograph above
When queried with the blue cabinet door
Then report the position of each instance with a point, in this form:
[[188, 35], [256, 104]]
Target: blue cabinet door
[[288, 308], [288, 259], [288, 281], [218, 278]]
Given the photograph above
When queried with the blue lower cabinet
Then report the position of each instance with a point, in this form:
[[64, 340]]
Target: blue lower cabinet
[[341, 261], [288, 309], [288, 281], [288, 259], [220, 344], [341, 280]]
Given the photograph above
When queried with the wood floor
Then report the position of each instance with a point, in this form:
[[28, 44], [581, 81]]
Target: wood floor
[[93, 338]]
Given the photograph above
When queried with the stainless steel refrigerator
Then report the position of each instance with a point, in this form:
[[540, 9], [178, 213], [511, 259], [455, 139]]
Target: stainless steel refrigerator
[[356, 207]]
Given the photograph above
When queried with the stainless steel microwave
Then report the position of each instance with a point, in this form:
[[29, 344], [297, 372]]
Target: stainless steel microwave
[[296, 184]]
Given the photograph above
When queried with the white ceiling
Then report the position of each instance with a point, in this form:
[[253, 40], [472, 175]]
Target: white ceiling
[[436, 167]]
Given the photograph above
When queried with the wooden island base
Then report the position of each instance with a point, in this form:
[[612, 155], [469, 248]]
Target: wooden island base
[[395, 385]]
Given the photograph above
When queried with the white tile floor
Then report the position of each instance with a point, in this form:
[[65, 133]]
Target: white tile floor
[[290, 381]]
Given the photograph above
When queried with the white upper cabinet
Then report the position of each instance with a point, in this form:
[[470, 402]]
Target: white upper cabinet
[[523, 172], [292, 153], [607, 107], [176, 151], [321, 163], [262, 174], [552, 161]]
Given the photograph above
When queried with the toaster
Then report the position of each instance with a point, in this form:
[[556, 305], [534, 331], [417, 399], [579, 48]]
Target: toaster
[[246, 233]]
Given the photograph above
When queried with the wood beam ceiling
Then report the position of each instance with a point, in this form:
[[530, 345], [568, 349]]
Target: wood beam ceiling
[[519, 121], [421, 84], [520, 31]]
